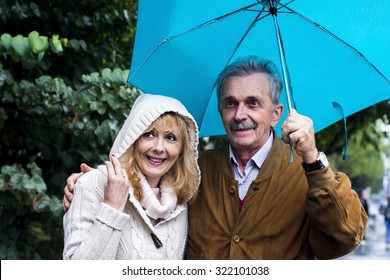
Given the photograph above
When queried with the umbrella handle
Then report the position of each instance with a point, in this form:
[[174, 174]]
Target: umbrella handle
[[291, 150]]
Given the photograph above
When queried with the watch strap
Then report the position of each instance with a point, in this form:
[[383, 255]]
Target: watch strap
[[317, 165]]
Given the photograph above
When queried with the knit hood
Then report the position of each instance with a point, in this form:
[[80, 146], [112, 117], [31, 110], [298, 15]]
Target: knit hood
[[146, 109]]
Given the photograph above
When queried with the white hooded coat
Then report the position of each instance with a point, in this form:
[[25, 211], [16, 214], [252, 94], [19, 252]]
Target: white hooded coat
[[94, 230]]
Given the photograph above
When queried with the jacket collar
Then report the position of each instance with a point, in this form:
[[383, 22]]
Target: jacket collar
[[277, 156]]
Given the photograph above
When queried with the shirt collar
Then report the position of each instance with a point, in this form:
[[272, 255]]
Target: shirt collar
[[260, 155]]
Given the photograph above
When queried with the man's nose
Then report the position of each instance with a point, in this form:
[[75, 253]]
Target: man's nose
[[241, 113]]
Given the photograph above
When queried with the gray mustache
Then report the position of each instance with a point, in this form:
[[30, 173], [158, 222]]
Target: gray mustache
[[235, 125]]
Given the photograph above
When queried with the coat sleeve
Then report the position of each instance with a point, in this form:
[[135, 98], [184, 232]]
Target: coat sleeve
[[92, 229], [338, 219]]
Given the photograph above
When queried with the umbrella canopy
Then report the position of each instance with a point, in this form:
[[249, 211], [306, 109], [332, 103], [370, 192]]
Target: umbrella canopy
[[336, 52]]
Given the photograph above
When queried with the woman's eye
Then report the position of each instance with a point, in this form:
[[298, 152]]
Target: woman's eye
[[171, 137], [148, 134]]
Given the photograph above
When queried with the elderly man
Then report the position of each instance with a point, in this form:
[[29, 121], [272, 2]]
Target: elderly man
[[254, 204]]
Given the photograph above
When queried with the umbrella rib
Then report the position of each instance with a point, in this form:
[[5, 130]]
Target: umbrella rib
[[258, 18], [239, 43], [207, 23], [272, 10], [339, 40], [188, 31], [281, 5], [268, 14], [246, 8], [260, 11]]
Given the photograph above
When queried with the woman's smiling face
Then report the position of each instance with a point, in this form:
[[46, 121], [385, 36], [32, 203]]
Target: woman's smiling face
[[157, 150]]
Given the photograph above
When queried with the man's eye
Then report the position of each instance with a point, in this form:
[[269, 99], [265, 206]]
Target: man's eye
[[230, 103], [254, 103]]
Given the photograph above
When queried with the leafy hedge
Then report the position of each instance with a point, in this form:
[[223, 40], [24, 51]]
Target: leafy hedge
[[62, 101]]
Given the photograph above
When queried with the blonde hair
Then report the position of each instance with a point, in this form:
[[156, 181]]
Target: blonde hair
[[182, 176]]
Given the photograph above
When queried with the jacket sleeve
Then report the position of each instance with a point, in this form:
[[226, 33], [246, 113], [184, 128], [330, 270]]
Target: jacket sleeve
[[92, 229], [337, 218]]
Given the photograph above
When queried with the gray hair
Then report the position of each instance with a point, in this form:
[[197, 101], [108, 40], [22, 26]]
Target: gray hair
[[251, 65]]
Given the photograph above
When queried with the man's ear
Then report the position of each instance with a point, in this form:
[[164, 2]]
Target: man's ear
[[277, 114]]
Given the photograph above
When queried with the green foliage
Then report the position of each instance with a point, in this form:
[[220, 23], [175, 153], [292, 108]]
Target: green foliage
[[63, 99], [331, 139], [364, 164], [24, 202]]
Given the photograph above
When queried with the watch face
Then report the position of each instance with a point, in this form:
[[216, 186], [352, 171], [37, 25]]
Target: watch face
[[323, 159]]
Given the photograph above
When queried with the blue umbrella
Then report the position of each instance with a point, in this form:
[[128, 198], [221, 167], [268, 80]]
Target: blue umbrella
[[333, 55]]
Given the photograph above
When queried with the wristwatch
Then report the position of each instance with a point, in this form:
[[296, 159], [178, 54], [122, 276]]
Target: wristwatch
[[319, 164]]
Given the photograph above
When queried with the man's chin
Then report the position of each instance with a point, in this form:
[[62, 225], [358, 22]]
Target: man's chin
[[242, 133], [241, 137]]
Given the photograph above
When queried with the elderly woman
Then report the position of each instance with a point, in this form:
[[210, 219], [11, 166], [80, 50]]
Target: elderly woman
[[135, 206]]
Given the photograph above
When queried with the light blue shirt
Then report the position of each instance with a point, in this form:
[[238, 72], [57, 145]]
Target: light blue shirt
[[252, 167]]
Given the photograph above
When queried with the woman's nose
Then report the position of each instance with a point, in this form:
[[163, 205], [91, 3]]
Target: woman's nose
[[159, 144]]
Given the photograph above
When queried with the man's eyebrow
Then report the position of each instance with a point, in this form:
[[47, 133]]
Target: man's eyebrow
[[252, 97], [228, 98]]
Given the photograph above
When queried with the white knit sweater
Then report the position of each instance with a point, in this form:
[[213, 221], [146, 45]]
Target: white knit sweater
[[94, 230]]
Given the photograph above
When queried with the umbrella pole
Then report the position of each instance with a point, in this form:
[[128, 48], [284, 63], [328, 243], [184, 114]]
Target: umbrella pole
[[286, 76]]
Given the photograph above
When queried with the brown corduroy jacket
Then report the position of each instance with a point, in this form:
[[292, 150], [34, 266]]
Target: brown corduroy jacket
[[287, 214]]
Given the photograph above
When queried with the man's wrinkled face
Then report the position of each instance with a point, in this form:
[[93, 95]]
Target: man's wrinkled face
[[247, 111]]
